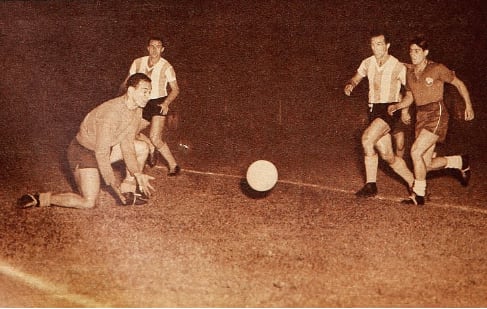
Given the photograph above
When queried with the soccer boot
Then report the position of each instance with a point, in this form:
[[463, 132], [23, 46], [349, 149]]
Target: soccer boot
[[414, 199], [369, 190], [28, 200], [465, 172], [175, 171]]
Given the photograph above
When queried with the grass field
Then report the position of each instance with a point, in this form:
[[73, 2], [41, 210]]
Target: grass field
[[259, 80]]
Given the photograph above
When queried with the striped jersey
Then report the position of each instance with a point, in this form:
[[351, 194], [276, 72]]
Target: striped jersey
[[160, 74], [385, 81]]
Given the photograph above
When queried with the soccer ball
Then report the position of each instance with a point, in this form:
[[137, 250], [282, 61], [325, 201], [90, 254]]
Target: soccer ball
[[262, 175]]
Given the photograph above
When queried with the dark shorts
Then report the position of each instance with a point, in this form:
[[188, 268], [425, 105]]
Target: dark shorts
[[434, 118], [379, 110], [80, 157], [153, 109]]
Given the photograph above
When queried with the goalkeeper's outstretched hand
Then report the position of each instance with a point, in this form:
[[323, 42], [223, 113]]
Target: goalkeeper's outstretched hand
[[144, 184]]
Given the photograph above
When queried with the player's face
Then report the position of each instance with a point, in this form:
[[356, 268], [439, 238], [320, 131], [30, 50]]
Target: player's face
[[155, 48], [417, 54], [379, 46], [141, 93]]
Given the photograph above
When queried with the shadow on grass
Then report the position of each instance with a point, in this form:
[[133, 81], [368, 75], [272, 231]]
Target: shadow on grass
[[251, 193]]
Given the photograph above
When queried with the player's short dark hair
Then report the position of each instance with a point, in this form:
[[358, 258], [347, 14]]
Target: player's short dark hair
[[155, 38], [378, 32], [135, 79], [419, 40]]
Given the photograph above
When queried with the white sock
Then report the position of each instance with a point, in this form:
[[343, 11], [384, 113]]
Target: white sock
[[453, 162], [419, 187], [371, 165], [45, 199]]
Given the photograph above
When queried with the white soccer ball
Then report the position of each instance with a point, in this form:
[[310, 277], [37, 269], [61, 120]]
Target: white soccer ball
[[262, 175]]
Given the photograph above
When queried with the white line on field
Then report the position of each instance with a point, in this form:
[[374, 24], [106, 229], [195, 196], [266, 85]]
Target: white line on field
[[48, 287], [332, 189]]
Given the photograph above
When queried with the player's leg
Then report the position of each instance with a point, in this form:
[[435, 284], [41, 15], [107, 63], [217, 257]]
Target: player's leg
[[141, 153], [142, 150], [385, 149], [462, 164], [152, 158], [400, 144], [82, 162], [88, 182], [376, 130], [156, 136], [398, 165], [424, 142], [458, 162], [421, 150]]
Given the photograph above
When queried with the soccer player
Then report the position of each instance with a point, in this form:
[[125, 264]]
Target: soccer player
[[385, 75], [106, 135], [162, 74], [425, 84]]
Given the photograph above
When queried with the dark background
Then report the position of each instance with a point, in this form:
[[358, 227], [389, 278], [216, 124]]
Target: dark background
[[234, 60]]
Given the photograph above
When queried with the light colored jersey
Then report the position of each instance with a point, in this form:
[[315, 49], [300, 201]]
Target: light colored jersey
[[160, 74], [385, 81], [107, 125]]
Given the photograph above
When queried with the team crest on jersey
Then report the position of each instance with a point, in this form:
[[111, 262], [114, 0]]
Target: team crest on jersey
[[429, 81]]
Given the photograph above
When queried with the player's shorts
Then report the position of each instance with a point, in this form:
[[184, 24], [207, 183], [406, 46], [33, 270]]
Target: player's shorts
[[153, 109], [379, 110], [434, 118], [80, 156]]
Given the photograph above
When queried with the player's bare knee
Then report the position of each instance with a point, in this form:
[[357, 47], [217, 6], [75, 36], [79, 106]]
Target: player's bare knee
[[141, 148], [388, 157], [416, 154], [157, 142], [367, 141]]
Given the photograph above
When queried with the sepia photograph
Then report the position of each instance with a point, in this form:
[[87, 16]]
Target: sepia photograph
[[246, 153]]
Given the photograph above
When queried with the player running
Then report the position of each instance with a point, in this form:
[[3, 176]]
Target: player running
[[106, 135], [425, 84], [386, 75], [162, 74]]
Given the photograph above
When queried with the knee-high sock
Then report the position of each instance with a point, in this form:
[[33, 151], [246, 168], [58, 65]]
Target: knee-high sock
[[399, 166], [419, 187], [45, 199], [371, 165], [453, 162]]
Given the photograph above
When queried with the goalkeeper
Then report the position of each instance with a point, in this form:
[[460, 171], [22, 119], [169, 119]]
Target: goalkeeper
[[106, 135]]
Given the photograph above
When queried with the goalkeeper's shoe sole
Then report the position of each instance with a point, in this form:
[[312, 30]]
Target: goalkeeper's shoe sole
[[28, 201]]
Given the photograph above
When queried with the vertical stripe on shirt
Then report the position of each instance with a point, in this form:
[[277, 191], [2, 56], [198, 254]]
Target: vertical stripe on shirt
[[384, 82]]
